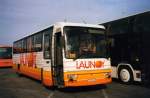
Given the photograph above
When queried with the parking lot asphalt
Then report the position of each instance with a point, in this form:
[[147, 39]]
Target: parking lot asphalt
[[14, 86]]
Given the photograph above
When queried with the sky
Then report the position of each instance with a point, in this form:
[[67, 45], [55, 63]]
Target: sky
[[19, 18]]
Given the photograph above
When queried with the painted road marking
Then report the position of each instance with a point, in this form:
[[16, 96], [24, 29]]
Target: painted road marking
[[104, 93], [50, 95]]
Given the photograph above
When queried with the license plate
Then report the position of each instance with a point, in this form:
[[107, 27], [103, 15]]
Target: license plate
[[91, 80]]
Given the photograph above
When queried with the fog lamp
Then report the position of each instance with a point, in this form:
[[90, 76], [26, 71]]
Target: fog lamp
[[108, 75], [72, 77]]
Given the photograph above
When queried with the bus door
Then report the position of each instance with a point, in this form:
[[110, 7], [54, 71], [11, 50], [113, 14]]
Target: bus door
[[58, 61]]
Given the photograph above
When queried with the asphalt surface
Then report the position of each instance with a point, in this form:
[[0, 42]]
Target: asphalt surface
[[14, 86]]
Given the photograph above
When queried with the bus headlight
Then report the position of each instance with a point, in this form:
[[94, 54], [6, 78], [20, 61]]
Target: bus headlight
[[72, 77], [108, 75]]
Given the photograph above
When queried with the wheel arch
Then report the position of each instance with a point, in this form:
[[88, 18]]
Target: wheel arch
[[125, 65]]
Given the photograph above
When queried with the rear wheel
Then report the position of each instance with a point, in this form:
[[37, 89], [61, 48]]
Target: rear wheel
[[125, 75]]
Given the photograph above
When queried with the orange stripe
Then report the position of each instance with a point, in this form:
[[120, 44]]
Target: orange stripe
[[30, 71], [90, 71], [36, 74], [6, 63], [47, 78]]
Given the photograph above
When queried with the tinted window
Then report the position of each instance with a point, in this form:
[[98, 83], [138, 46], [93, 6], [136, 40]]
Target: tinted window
[[29, 44], [47, 43], [38, 42], [84, 42], [5, 53]]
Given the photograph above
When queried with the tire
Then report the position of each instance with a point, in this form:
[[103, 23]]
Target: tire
[[125, 75]]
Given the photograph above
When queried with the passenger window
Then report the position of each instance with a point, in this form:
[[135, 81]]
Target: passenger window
[[15, 48], [24, 45], [38, 42], [29, 44], [46, 45]]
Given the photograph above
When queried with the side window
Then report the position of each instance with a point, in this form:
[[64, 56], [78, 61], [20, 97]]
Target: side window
[[25, 45], [46, 46], [29, 44], [38, 42], [47, 43], [15, 47], [20, 47], [32, 43]]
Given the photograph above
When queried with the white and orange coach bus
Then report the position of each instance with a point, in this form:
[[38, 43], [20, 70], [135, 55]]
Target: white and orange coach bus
[[6, 56], [64, 55]]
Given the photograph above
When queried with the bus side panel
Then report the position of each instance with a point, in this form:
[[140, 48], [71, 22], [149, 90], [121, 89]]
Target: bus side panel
[[39, 70], [143, 26], [36, 74], [6, 63], [47, 78], [145, 58], [26, 64], [30, 71], [87, 78], [16, 61]]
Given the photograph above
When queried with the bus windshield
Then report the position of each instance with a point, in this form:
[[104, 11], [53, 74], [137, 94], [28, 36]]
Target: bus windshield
[[5, 52], [84, 42]]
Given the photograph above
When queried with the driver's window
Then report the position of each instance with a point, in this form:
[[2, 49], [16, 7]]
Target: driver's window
[[87, 44]]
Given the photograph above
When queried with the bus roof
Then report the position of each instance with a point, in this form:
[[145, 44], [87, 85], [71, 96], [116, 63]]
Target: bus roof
[[126, 18], [62, 24], [4, 46], [79, 24]]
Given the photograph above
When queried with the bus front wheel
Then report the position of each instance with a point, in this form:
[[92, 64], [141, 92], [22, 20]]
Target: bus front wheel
[[125, 75]]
